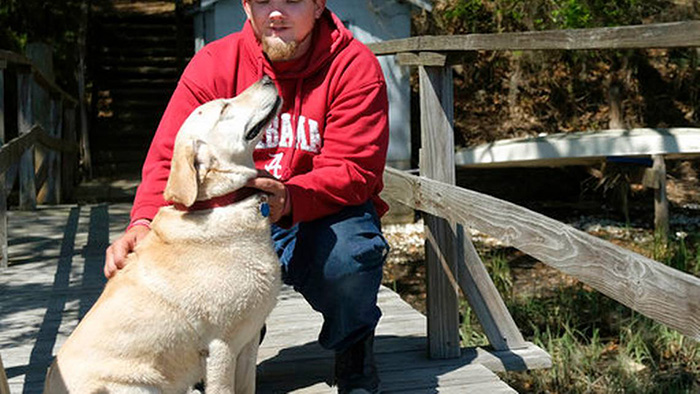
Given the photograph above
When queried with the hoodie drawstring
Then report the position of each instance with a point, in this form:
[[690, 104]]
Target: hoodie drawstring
[[295, 123]]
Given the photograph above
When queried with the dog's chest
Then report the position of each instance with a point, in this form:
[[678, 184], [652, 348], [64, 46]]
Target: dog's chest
[[225, 284], [217, 267]]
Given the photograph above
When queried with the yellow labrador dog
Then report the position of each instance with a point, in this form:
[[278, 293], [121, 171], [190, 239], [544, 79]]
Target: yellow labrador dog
[[195, 292]]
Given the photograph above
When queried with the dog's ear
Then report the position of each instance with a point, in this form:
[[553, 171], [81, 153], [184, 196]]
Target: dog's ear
[[182, 182]]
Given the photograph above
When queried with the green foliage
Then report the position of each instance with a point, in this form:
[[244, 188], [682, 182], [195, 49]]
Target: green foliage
[[9, 38], [470, 331], [501, 94], [499, 270], [600, 346], [681, 251], [52, 22], [484, 16], [571, 14]]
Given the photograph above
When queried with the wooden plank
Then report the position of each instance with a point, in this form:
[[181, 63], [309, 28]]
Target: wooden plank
[[12, 151], [478, 288], [46, 175], [56, 144], [40, 178], [54, 182], [40, 78], [615, 101], [69, 160], [14, 58], [41, 56], [522, 359], [421, 59], [582, 148], [293, 361], [437, 162], [25, 118], [633, 280], [660, 35], [661, 225], [437, 59], [86, 155]]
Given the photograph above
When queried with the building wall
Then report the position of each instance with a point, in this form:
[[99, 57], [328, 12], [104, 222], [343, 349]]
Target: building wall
[[369, 21]]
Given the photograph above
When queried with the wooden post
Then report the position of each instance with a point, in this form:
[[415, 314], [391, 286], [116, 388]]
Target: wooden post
[[437, 162], [27, 186], [82, 49], [493, 315], [616, 118], [3, 196], [661, 225], [68, 159], [40, 54], [58, 156], [48, 191]]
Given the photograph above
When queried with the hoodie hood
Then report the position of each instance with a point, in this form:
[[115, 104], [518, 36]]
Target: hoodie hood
[[329, 141], [330, 36]]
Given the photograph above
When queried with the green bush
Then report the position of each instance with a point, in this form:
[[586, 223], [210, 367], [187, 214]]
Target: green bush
[[597, 345], [52, 22]]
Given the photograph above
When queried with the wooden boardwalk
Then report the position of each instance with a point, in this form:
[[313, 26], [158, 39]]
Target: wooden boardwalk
[[57, 254]]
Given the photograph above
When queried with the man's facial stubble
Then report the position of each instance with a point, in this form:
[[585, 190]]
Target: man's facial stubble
[[277, 49]]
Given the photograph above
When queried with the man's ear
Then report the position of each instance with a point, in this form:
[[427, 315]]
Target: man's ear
[[246, 8], [320, 6], [182, 182]]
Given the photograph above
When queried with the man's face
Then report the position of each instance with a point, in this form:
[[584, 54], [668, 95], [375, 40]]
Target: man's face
[[284, 26]]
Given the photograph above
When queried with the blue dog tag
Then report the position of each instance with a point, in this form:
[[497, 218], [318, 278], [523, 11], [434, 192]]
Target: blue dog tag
[[265, 209]]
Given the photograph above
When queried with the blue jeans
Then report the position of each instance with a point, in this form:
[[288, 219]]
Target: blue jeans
[[336, 263]]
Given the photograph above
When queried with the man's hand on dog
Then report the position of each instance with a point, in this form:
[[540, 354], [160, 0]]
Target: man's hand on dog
[[115, 258], [277, 196]]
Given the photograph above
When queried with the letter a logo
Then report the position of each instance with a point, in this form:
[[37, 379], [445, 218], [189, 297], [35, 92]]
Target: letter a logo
[[275, 165]]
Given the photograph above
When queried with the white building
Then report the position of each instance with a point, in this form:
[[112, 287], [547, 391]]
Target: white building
[[369, 21]]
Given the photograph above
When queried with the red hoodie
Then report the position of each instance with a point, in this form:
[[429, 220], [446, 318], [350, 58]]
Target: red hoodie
[[328, 145]]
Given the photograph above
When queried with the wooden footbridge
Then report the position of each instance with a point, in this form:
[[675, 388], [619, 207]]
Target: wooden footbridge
[[52, 254], [57, 255]]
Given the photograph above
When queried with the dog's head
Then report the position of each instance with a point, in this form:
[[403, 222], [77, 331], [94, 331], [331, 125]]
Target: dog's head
[[213, 152]]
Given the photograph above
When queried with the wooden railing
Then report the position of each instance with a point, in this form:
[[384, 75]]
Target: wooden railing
[[43, 157], [647, 286]]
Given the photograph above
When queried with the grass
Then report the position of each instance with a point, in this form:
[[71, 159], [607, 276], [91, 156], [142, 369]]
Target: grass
[[597, 345]]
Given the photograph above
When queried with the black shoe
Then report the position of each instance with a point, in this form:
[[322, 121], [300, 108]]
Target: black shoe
[[355, 370]]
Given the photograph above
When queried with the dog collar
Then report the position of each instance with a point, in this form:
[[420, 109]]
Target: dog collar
[[226, 199]]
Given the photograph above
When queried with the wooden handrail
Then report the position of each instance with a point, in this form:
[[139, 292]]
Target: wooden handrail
[[647, 286], [39, 77], [12, 151], [659, 35]]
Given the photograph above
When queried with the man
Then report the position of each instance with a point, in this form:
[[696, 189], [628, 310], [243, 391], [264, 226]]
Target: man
[[321, 163]]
